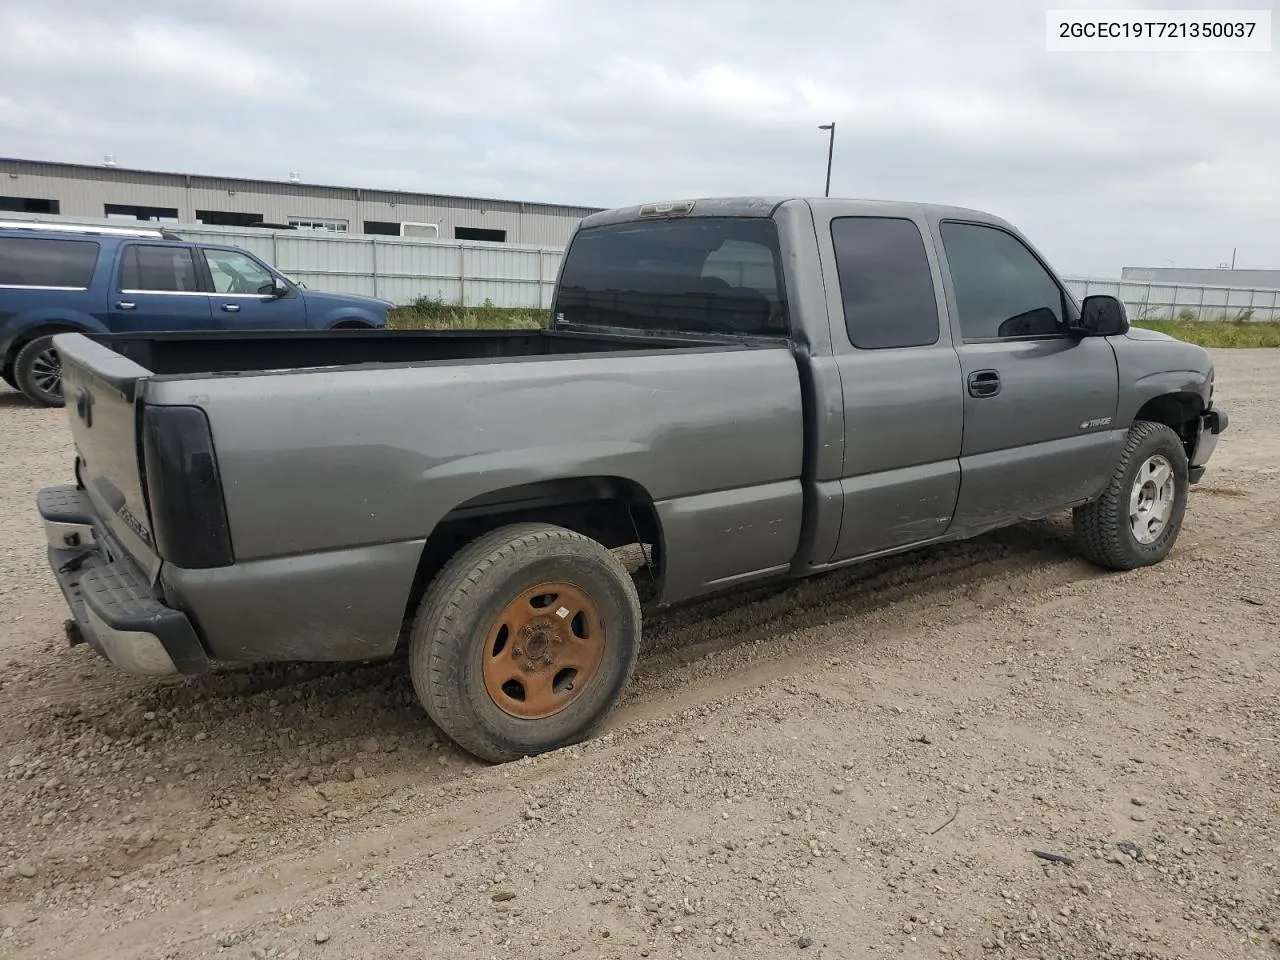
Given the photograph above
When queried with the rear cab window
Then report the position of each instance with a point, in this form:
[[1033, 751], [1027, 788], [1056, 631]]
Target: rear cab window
[[886, 286], [696, 275], [48, 263]]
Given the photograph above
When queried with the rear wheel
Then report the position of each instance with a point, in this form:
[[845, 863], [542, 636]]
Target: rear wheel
[[525, 641], [1138, 517], [37, 372]]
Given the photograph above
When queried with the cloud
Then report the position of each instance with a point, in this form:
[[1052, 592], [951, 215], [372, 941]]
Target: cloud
[[148, 49], [1104, 159]]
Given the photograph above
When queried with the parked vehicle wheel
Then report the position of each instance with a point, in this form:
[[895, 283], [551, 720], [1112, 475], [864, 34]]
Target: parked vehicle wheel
[[525, 641], [1138, 517], [38, 372]]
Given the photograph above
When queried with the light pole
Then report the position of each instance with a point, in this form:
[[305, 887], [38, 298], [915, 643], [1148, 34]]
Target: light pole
[[831, 146]]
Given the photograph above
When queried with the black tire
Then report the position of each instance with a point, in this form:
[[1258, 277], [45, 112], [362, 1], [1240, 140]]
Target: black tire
[[473, 595], [37, 372], [1104, 529]]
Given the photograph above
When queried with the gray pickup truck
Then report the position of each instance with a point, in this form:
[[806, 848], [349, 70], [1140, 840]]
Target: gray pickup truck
[[744, 388]]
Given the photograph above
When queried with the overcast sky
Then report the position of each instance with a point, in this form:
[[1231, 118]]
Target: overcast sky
[[1105, 160]]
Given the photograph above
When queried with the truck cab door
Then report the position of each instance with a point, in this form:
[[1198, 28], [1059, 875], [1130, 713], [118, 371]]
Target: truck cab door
[[1039, 403], [244, 293], [157, 287], [900, 380]]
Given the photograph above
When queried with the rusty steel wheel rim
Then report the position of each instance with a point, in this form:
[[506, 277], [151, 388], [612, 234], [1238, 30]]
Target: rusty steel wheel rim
[[542, 651]]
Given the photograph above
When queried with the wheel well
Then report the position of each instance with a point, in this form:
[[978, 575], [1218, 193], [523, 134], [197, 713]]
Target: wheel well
[[1175, 410], [351, 325], [611, 510], [41, 330]]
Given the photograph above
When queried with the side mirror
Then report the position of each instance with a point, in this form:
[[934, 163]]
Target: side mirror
[[279, 288], [1101, 315]]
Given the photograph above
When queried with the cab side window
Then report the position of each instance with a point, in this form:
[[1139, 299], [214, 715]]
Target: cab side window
[[234, 272], [885, 283], [1001, 289]]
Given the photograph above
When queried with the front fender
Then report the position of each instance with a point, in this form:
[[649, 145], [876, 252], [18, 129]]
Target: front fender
[[1164, 383], [335, 315]]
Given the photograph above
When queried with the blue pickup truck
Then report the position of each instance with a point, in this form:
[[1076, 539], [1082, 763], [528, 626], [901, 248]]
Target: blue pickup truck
[[58, 278]]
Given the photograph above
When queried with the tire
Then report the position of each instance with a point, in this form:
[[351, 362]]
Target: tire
[[504, 680], [1112, 530], [38, 373]]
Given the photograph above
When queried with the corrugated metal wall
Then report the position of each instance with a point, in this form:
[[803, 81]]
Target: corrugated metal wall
[[1204, 276], [83, 191]]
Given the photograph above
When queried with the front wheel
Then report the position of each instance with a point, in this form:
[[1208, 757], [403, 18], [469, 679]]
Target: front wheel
[[37, 371], [1137, 519], [525, 641]]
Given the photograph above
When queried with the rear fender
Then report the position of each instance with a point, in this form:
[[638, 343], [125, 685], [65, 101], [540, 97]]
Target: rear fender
[[22, 328]]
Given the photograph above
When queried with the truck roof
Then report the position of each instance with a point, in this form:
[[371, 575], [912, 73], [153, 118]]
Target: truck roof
[[766, 205]]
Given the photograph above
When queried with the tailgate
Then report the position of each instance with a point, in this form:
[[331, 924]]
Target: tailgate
[[100, 387]]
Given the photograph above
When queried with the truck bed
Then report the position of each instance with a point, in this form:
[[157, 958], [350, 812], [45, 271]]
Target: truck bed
[[231, 352]]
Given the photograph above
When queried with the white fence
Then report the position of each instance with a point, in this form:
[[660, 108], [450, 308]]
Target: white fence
[[1149, 300], [402, 269]]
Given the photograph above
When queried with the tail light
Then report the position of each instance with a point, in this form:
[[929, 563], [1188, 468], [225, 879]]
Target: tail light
[[184, 490]]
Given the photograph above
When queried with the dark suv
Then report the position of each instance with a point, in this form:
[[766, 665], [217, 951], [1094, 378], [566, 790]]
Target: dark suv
[[63, 277]]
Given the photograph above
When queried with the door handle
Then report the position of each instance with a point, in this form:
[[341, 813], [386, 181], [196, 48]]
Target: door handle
[[125, 305], [984, 383], [231, 307]]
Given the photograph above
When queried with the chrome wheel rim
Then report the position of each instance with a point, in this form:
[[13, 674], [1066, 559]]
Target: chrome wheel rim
[[1151, 499], [46, 372]]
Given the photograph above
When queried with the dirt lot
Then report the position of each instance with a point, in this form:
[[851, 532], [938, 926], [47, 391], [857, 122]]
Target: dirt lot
[[857, 766]]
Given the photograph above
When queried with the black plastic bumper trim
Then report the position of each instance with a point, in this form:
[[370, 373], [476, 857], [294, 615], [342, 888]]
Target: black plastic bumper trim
[[120, 596]]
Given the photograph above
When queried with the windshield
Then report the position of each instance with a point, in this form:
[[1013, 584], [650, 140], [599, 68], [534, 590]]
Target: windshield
[[705, 275]]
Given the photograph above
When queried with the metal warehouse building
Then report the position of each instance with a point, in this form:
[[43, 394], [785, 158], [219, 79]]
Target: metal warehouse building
[[1203, 276], [76, 190]]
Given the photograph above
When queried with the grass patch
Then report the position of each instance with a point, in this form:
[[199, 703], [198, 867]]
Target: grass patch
[[428, 313], [1219, 333], [432, 313]]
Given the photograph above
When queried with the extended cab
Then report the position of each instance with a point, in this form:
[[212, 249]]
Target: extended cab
[[64, 277], [745, 388]]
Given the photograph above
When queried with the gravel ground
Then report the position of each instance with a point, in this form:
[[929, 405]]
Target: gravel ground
[[861, 765]]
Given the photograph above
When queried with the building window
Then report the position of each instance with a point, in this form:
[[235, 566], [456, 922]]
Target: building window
[[311, 223], [226, 218], [479, 233], [412, 229], [127, 211], [382, 228], [28, 205]]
